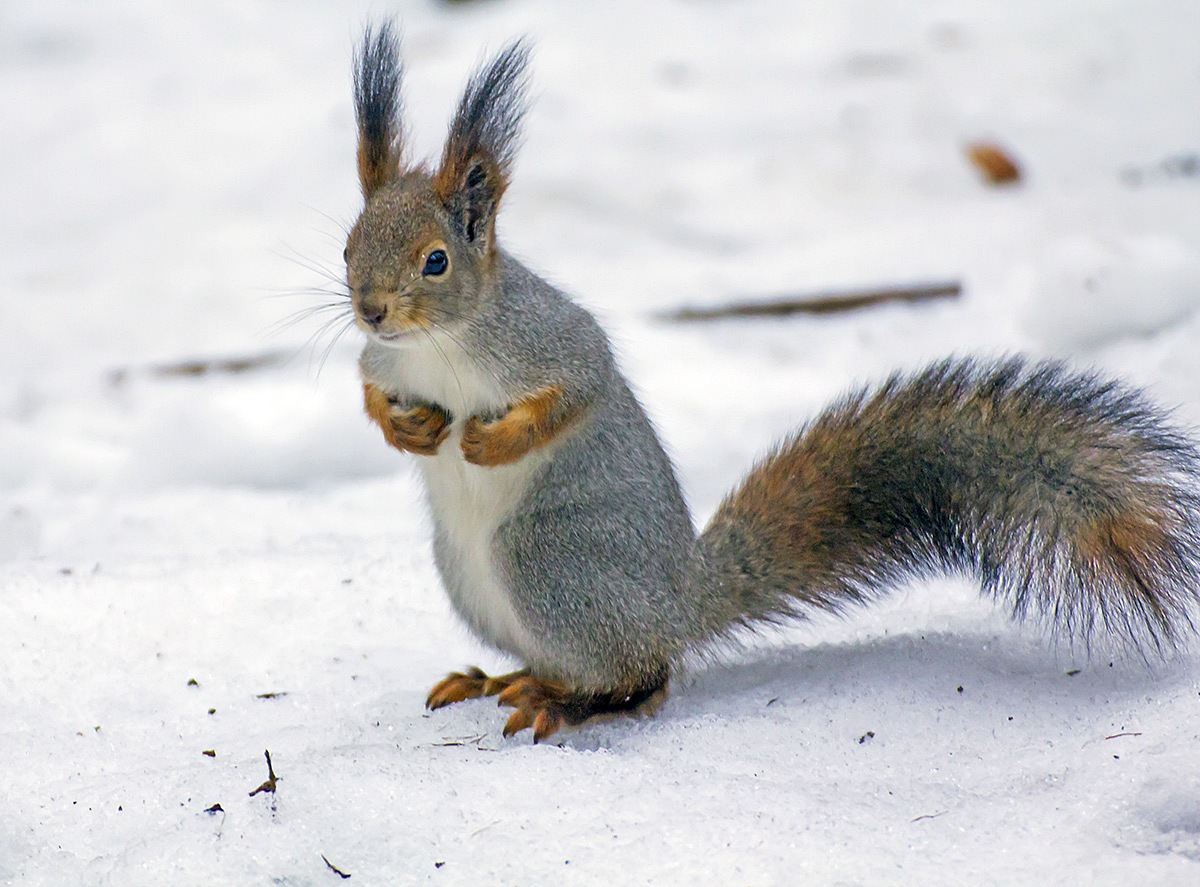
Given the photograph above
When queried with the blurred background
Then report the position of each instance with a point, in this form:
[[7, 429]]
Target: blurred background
[[176, 180]]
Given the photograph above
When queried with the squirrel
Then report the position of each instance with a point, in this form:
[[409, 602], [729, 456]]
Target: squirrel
[[559, 529]]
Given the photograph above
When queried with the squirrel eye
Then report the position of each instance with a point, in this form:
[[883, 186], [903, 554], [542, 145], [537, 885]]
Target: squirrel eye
[[346, 255], [436, 263]]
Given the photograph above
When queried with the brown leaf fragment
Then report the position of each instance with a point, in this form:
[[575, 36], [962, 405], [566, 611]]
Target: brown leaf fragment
[[994, 163]]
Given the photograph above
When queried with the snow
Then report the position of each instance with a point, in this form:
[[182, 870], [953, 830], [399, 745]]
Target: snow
[[176, 177]]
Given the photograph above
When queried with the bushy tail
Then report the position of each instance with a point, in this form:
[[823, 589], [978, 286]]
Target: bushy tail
[[1065, 495]]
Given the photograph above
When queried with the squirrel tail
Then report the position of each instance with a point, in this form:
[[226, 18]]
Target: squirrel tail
[[1065, 495]]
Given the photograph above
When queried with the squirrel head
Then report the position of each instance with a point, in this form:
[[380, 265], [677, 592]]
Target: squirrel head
[[422, 254]]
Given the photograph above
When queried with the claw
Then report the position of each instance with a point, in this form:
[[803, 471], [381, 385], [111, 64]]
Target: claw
[[517, 721], [453, 688], [546, 724], [546, 706]]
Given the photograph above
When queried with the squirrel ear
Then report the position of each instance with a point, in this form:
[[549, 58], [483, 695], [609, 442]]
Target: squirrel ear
[[377, 73], [477, 160]]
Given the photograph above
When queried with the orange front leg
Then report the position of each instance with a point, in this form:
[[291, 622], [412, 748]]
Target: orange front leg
[[532, 422], [413, 427]]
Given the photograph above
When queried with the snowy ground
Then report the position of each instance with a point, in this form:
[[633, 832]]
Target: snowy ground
[[171, 548]]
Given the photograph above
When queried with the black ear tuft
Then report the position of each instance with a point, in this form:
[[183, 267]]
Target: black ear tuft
[[377, 107], [477, 160]]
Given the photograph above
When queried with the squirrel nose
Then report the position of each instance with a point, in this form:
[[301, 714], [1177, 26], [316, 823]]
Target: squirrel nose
[[372, 315]]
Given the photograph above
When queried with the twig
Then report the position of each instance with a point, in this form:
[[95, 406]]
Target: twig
[[821, 303], [1119, 735], [466, 740], [269, 785], [929, 816], [333, 868], [201, 367], [480, 831]]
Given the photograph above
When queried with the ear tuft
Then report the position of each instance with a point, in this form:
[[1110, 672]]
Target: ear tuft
[[477, 160], [377, 107]]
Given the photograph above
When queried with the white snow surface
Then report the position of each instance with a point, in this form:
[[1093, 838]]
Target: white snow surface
[[175, 178]]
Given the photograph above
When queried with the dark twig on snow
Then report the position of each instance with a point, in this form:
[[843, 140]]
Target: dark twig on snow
[[821, 303], [183, 369], [929, 816], [269, 785], [333, 868]]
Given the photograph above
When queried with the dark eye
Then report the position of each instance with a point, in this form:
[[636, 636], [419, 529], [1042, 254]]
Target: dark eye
[[436, 263], [346, 255]]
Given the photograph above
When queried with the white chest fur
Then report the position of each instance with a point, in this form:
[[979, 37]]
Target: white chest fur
[[468, 502]]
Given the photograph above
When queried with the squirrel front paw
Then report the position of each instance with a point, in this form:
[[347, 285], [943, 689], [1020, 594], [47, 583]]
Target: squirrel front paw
[[420, 429], [530, 423], [495, 441], [412, 426]]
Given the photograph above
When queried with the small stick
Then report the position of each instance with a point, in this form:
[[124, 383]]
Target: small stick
[[929, 816], [822, 303], [269, 785], [1119, 735], [333, 868]]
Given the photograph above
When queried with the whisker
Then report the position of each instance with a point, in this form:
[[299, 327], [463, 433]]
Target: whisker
[[341, 224], [315, 340], [450, 366], [332, 343], [297, 258], [297, 291], [457, 341], [296, 317]]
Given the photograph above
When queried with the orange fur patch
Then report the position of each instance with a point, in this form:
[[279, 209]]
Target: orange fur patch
[[531, 423], [1136, 538], [1129, 546], [1131, 549], [802, 497], [378, 165]]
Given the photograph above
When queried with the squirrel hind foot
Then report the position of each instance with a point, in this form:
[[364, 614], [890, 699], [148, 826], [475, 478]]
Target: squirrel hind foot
[[474, 683], [548, 706]]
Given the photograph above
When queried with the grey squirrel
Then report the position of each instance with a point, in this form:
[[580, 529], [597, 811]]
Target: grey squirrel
[[559, 530]]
